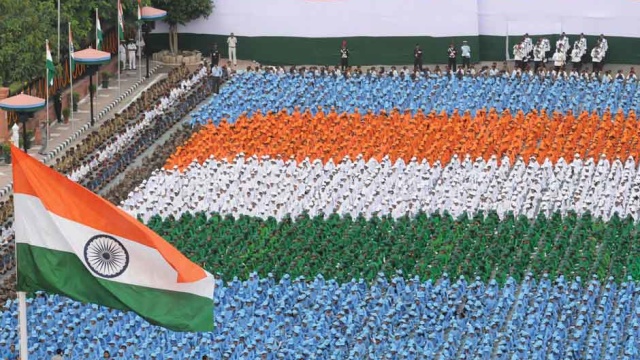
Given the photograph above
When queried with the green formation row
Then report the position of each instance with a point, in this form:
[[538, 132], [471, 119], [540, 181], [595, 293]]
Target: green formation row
[[344, 248]]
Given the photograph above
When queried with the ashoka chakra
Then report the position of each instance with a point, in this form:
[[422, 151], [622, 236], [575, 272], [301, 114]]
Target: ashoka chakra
[[106, 256]]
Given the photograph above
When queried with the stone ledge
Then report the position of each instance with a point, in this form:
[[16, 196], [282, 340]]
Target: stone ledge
[[186, 57]]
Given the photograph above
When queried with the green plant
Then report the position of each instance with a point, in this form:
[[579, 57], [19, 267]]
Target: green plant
[[92, 89], [6, 152], [105, 75], [66, 112], [76, 99]]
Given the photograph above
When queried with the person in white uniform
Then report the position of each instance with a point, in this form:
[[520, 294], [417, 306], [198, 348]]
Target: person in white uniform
[[596, 58], [559, 59], [232, 42], [563, 43], [582, 45], [538, 54], [466, 54], [518, 55], [131, 53], [576, 56], [122, 55]]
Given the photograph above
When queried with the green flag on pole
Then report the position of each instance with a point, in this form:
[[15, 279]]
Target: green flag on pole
[[99, 37], [72, 60], [120, 22], [51, 68]]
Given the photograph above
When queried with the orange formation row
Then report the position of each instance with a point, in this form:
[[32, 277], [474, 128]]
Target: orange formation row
[[424, 136]]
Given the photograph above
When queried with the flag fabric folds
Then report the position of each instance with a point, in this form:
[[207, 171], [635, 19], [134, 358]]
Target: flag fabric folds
[[99, 38], [74, 243], [120, 22], [139, 11], [51, 68], [72, 60]]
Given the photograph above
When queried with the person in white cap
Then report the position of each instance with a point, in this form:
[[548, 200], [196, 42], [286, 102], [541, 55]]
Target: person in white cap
[[518, 55], [131, 53], [559, 59], [597, 54], [232, 43], [466, 54]]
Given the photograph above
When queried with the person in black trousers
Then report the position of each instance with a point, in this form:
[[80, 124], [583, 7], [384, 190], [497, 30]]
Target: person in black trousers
[[344, 57], [57, 105], [417, 58], [451, 54], [215, 55]]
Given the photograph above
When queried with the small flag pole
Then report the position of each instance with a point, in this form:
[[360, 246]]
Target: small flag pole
[[47, 98], [97, 40], [120, 39], [139, 49], [138, 41], [119, 71], [22, 311], [97, 48], [71, 71], [22, 320]]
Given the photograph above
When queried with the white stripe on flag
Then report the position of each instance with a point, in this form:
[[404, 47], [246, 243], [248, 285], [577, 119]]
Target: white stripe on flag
[[146, 266]]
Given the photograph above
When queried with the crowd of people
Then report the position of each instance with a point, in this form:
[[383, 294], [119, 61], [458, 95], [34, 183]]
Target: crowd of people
[[135, 175], [505, 177], [526, 52], [103, 155], [276, 187], [168, 109], [274, 90], [433, 136], [401, 317]]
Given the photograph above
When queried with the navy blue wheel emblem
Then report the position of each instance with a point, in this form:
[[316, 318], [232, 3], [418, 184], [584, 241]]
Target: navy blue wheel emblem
[[106, 256]]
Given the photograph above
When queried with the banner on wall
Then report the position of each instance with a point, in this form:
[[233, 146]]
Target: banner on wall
[[436, 18], [337, 18]]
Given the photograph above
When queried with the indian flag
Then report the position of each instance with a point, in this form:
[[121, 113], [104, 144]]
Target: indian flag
[[51, 69], [139, 11], [72, 60], [120, 22], [83, 247], [99, 38]]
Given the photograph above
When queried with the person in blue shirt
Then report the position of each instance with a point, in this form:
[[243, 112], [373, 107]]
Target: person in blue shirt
[[216, 73]]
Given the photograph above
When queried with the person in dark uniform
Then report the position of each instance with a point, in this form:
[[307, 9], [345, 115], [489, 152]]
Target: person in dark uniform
[[215, 55], [451, 54], [344, 57], [57, 105], [417, 58]]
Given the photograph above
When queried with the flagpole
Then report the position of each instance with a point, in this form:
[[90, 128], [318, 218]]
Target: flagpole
[[119, 71], [73, 125], [119, 44], [97, 19], [22, 320], [139, 50], [139, 41], [46, 143]]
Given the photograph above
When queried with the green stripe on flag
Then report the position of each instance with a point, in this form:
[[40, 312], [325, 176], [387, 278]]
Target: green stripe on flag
[[51, 68], [63, 273], [99, 37]]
